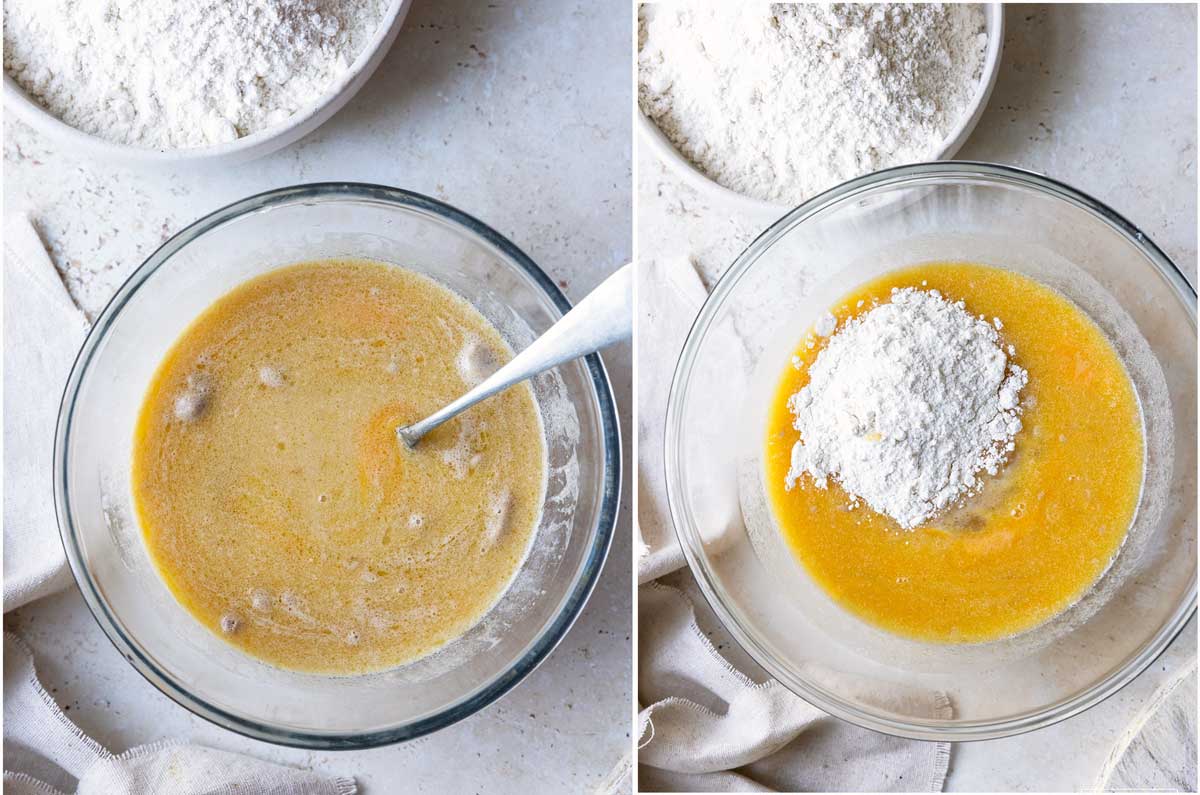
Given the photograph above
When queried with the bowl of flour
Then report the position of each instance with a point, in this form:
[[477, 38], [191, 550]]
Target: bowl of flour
[[147, 82], [761, 107]]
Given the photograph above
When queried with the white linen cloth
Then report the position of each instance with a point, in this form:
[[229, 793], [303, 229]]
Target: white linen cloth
[[33, 721], [710, 727], [670, 294], [43, 330], [707, 724]]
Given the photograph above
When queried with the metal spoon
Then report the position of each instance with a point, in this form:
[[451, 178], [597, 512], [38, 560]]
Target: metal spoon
[[602, 318]]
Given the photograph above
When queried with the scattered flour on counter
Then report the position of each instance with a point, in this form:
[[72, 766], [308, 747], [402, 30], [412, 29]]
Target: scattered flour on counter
[[907, 405], [781, 101], [173, 74]]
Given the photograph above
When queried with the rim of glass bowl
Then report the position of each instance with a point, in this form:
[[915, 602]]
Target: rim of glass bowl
[[482, 696], [684, 523]]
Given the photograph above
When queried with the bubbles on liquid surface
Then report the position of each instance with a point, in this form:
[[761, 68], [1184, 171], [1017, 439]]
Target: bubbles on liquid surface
[[495, 518], [260, 600], [270, 377], [194, 400], [475, 362], [230, 623]]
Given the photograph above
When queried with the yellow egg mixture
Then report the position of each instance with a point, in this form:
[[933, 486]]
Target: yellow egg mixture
[[277, 502], [1038, 535]]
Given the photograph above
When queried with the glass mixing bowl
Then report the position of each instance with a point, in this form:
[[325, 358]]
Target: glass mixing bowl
[[715, 429], [93, 452]]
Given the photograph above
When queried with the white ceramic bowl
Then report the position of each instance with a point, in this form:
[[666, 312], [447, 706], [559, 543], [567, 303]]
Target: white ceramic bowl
[[301, 123], [662, 147]]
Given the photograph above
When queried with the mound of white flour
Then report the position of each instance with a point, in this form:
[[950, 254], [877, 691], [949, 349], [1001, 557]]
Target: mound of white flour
[[173, 74], [782, 101], [906, 405]]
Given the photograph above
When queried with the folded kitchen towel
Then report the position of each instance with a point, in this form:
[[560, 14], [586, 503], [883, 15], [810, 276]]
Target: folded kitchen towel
[[43, 330], [670, 294], [33, 724], [707, 726]]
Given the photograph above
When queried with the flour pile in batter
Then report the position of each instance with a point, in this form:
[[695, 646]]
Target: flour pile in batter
[[907, 405]]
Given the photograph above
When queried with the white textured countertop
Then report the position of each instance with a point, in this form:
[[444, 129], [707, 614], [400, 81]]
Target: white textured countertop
[[1104, 99], [515, 113]]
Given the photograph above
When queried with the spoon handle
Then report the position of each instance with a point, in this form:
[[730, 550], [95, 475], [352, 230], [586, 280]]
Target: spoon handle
[[603, 317]]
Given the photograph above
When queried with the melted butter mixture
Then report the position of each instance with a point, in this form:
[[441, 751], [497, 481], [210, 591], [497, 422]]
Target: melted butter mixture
[[1038, 536], [278, 504]]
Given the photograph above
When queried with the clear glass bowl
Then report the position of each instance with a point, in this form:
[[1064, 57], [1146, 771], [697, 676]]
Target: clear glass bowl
[[93, 452], [740, 344]]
